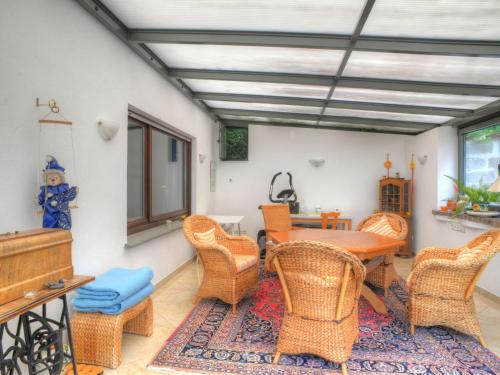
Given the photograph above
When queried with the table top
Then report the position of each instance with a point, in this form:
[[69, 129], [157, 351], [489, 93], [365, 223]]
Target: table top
[[226, 219], [20, 306], [364, 244]]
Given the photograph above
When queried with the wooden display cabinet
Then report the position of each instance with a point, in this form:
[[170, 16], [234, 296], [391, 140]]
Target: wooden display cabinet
[[395, 196]]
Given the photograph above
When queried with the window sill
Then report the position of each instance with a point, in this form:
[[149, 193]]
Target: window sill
[[469, 221], [150, 234]]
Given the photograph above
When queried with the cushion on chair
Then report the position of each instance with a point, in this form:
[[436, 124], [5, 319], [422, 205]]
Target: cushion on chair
[[381, 227], [244, 261], [467, 254], [207, 238]]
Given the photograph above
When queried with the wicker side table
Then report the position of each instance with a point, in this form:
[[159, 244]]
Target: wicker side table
[[98, 337]]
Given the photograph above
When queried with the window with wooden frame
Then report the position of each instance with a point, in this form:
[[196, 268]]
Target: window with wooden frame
[[158, 172]]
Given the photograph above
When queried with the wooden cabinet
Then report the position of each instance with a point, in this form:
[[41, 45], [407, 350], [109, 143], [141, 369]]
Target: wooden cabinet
[[395, 196]]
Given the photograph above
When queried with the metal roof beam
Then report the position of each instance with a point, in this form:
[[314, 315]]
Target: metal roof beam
[[356, 82], [346, 104], [322, 41], [352, 128], [312, 117]]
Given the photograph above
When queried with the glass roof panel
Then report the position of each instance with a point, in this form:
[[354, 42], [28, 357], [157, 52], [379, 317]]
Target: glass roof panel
[[386, 115], [262, 59], [263, 107], [375, 127], [412, 98], [445, 19], [257, 88], [267, 119], [433, 68], [303, 16]]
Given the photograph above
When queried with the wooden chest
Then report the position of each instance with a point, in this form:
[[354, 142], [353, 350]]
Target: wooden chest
[[31, 258]]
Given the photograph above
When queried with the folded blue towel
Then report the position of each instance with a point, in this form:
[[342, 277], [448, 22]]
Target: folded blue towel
[[85, 305], [116, 285]]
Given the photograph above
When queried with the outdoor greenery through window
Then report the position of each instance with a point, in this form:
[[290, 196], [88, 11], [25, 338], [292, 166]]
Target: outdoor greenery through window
[[481, 156], [234, 143]]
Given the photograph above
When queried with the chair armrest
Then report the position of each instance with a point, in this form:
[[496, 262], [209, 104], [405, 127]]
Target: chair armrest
[[443, 278], [241, 245], [435, 253], [214, 255]]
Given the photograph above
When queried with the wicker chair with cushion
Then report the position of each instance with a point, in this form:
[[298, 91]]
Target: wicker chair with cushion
[[442, 281], [230, 263], [384, 274], [321, 285]]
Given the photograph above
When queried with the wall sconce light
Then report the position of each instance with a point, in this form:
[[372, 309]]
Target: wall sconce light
[[317, 162], [202, 158], [422, 159], [107, 129]]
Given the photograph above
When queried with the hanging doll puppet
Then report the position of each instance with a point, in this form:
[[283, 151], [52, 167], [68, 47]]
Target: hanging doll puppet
[[55, 195]]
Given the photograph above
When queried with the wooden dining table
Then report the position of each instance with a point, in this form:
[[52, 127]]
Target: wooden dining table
[[368, 247]]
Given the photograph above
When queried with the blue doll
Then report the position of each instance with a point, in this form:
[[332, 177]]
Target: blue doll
[[55, 195]]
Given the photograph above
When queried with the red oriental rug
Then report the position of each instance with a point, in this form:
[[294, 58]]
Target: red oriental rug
[[213, 340]]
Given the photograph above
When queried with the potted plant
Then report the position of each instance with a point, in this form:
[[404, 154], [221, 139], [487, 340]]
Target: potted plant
[[478, 198]]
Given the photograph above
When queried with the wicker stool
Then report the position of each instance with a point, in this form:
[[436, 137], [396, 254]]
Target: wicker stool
[[97, 338]]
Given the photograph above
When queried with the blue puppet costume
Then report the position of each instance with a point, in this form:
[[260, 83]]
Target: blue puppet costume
[[55, 195]]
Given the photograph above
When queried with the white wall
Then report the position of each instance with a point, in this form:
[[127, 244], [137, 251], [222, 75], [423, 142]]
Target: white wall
[[431, 187], [55, 49], [348, 180]]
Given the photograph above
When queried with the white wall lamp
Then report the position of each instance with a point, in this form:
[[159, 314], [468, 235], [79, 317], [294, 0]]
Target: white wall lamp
[[317, 162], [107, 129], [202, 158], [422, 159]]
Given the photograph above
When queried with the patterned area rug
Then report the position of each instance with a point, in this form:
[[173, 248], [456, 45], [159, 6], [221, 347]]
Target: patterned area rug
[[212, 339]]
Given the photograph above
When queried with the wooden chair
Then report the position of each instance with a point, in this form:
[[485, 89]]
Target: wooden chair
[[385, 274], [276, 219], [321, 285], [231, 266], [326, 216], [441, 287]]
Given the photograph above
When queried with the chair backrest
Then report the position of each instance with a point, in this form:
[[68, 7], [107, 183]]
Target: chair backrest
[[199, 224], [276, 217], [397, 223], [320, 281], [326, 216]]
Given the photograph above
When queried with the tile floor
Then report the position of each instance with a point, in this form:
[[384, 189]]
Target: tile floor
[[173, 300]]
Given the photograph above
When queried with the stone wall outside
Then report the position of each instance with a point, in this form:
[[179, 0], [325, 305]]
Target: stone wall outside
[[482, 159]]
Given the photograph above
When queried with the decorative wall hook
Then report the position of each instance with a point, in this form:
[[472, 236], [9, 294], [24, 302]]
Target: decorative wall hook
[[53, 117], [202, 158], [422, 159]]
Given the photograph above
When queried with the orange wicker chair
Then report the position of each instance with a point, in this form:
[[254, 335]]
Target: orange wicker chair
[[384, 274], [222, 276], [321, 285], [441, 288]]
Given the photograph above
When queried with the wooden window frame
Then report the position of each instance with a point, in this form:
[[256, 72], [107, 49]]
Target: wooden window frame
[[150, 123]]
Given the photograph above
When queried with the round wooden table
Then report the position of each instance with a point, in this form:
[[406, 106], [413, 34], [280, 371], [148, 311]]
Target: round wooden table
[[366, 246]]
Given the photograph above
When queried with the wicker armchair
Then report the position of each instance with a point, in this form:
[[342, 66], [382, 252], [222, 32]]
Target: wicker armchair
[[441, 288], [384, 274], [321, 285], [222, 277]]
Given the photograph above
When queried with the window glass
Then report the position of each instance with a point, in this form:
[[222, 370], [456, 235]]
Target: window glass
[[135, 172], [167, 174], [481, 156]]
